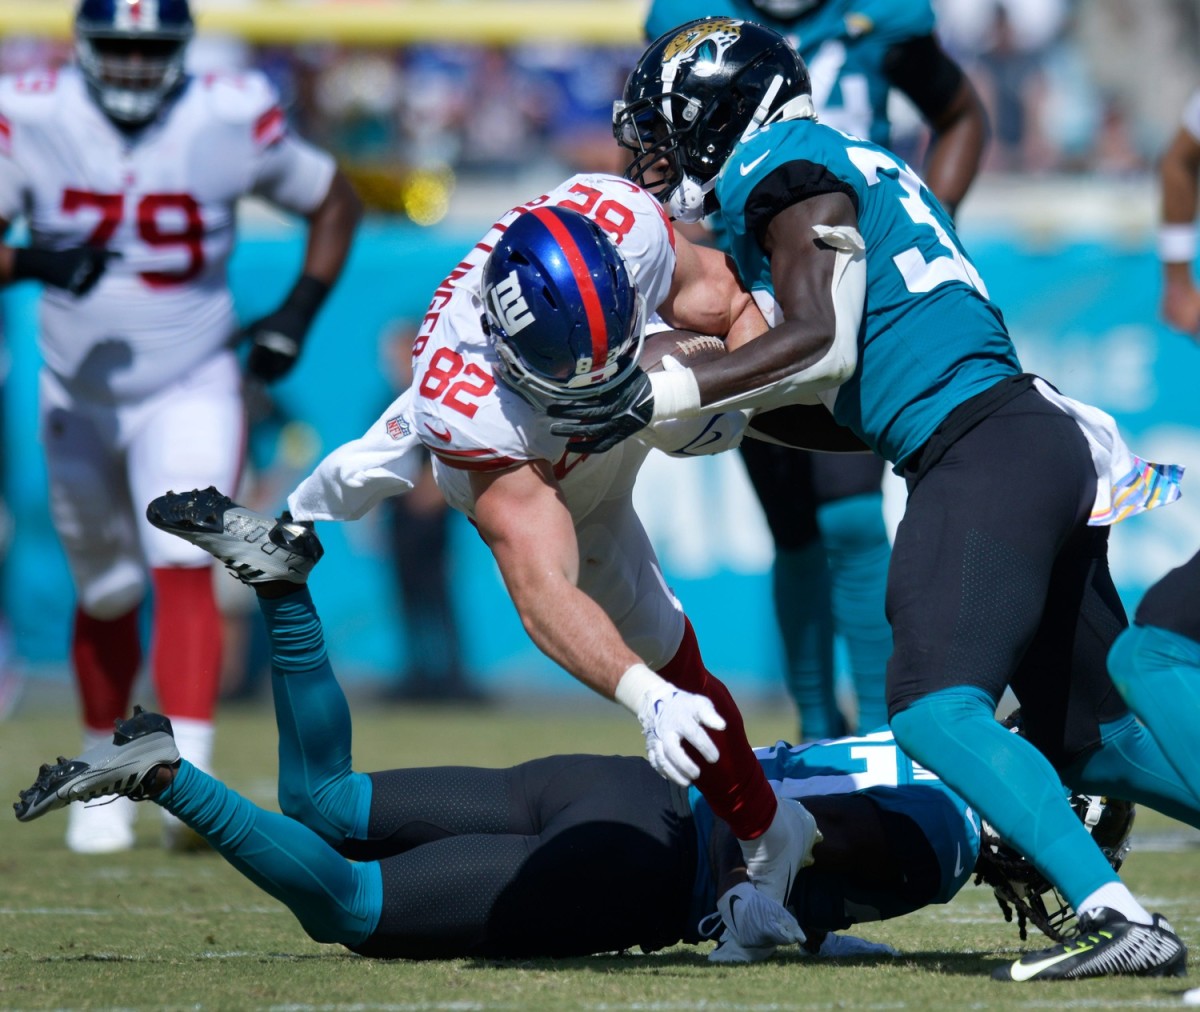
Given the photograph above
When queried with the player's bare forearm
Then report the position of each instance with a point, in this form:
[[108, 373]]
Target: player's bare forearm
[[523, 519], [1178, 171], [707, 295], [802, 269], [331, 229], [956, 148]]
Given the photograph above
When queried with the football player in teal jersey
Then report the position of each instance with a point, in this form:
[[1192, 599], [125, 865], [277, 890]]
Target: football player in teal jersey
[[825, 511], [563, 856], [856, 51], [999, 573]]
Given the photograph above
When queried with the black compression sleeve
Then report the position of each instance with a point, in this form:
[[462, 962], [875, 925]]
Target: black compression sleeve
[[920, 68]]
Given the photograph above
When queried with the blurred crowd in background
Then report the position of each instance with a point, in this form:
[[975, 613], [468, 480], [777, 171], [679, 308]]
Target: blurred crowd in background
[[1072, 86]]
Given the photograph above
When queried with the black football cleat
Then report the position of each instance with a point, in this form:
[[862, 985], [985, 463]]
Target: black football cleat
[[254, 547], [123, 766], [1105, 944]]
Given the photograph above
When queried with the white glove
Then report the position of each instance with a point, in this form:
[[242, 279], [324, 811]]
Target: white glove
[[755, 920], [850, 945], [670, 717]]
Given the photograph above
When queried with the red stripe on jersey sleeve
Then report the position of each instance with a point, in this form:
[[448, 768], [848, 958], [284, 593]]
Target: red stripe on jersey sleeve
[[474, 460], [5, 136], [270, 127]]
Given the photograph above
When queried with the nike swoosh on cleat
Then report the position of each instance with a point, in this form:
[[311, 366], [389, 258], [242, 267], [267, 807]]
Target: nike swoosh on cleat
[[958, 868], [443, 435], [1027, 971], [747, 167]]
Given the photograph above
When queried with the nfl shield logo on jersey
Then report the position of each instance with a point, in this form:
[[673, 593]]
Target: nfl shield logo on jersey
[[398, 427]]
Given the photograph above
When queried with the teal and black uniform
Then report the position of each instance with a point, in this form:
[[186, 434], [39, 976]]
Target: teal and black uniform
[[825, 510], [922, 289], [997, 578], [1155, 664], [930, 830], [563, 856]]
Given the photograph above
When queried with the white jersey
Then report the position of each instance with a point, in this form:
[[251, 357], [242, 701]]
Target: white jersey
[[164, 198], [471, 422]]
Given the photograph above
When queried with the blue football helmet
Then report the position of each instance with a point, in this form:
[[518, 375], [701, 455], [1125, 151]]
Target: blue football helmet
[[131, 54], [564, 315]]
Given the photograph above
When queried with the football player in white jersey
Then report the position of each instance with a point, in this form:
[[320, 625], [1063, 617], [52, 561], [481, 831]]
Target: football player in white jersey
[[572, 551], [128, 172]]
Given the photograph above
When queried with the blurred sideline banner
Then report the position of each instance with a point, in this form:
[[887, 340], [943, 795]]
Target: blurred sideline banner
[[377, 22], [1082, 314]]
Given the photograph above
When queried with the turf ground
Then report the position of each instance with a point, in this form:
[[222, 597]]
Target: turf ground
[[147, 930]]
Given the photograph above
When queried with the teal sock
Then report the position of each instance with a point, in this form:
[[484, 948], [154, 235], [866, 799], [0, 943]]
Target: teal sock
[[856, 543], [1129, 764], [1006, 780], [334, 899], [1158, 673], [805, 618], [317, 784]]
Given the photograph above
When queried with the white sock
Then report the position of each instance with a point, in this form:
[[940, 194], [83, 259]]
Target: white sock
[[194, 739], [1116, 896]]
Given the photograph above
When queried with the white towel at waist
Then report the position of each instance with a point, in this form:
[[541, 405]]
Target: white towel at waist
[[1126, 485]]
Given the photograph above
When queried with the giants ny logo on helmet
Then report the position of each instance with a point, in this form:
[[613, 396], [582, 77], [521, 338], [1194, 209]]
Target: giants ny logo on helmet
[[508, 305]]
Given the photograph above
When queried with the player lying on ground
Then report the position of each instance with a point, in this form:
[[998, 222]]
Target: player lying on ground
[[551, 303], [562, 856]]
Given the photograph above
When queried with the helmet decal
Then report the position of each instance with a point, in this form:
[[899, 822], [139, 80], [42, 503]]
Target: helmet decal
[[508, 305], [587, 288], [706, 43], [561, 309]]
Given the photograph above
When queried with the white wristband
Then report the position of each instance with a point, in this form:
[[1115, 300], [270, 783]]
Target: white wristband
[[635, 683], [676, 394], [1177, 244]]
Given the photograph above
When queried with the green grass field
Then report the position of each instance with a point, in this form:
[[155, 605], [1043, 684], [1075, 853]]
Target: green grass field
[[147, 930]]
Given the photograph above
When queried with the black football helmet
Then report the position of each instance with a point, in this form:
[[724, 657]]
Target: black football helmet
[[1019, 886], [696, 92]]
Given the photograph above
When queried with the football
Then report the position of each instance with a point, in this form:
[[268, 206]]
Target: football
[[685, 346]]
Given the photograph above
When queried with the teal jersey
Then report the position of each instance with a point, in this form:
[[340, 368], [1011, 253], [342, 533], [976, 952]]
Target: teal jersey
[[930, 337], [871, 764], [844, 43]]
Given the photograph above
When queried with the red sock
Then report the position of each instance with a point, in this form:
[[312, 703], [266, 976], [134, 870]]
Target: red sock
[[106, 655], [734, 786], [186, 652]]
